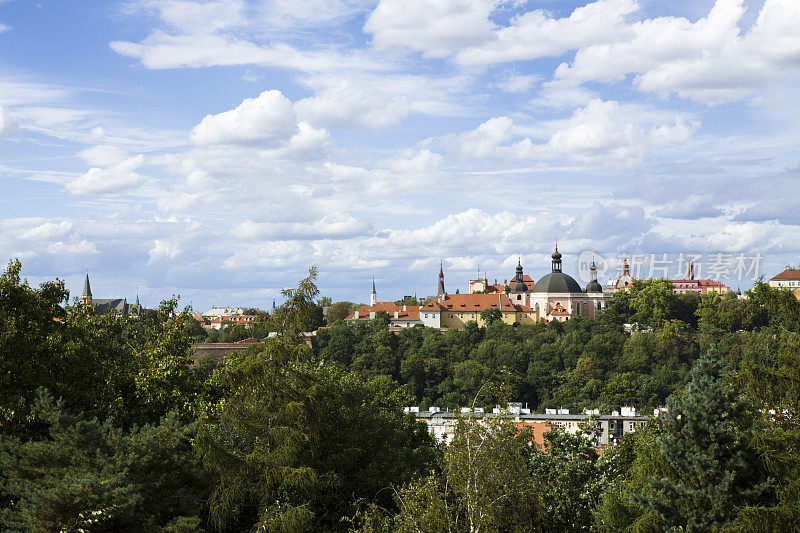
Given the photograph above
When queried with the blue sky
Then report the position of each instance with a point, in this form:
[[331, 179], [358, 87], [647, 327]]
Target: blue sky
[[216, 149]]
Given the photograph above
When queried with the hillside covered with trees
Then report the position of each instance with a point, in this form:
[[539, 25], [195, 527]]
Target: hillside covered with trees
[[106, 425]]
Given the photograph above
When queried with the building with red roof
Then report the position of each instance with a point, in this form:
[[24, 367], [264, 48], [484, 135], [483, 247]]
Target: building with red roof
[[400, 316]]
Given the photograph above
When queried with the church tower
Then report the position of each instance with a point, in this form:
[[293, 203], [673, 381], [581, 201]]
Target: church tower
[[86, 297], [440, 287], [373, 297]]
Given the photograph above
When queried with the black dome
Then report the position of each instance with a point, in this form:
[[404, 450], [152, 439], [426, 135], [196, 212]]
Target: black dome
[[519, 286], [594, 286], [557, 282]]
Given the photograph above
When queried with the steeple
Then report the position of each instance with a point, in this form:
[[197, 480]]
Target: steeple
[[519, 284], [86, 297], [440, 287], [556, 260], [626, 269], [690, 270], [373, 297]]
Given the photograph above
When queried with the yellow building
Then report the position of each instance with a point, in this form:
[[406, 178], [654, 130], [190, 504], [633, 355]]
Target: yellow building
[[455, 310]]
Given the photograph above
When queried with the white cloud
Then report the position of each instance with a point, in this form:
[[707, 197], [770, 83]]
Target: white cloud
[[94, 135], [518, 83], [415, 162], [102, 155], [707, 61], [307, 144], [160, 50], [72, 247], [693, 207], [348, 106], [535, 34], [8, 123], [607, 133], [267, 120], [114, 179], [193, 17], [3, 27], [485, 140], [602, 133], [325, 228], [434, 27], [163, 250], [48, 231]]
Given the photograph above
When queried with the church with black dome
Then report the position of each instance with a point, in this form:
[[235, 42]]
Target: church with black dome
[[557, 296]]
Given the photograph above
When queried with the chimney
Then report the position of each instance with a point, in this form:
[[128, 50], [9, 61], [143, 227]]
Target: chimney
[[355, 315], [397, 314], [404, 307]]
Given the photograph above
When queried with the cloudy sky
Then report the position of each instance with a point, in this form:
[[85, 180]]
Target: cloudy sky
[[217, 149]]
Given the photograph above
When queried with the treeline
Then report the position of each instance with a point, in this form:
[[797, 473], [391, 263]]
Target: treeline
[[106, 426], [579, 364]]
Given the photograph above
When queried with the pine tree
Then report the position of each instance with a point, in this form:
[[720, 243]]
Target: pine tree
[[710, 469]]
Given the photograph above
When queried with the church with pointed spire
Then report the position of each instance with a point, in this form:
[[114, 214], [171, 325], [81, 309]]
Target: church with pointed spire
[[103, 306]]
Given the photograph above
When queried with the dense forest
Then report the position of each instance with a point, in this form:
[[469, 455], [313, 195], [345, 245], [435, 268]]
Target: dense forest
[[106, 425]]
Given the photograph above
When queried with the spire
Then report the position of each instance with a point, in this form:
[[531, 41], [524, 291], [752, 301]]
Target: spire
[[440, 288], [556, 260], [690, 270], [593, 270], [373, 297], [626, 269], [87, 290], [519, 285], [86, 297]]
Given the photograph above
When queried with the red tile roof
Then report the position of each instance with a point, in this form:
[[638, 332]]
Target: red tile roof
[[470, 302], [789, 273], [526, 278], [411, 312]]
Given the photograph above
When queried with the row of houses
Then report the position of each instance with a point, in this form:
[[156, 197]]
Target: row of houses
[[610, 427]]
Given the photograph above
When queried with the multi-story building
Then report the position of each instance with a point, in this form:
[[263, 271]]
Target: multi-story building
[[455, 310], [610, 428], [788, 279]]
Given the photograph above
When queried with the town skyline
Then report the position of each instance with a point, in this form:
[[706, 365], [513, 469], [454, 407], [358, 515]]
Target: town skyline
[[218, 149]]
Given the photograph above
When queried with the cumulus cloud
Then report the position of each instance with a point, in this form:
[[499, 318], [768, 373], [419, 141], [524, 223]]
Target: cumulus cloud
[[267, 120], [8, 123], [347, 106], [607, 132], [113, 179], [602, 132], [434, 27], [48, 231], [708, 61], [535, 34]]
